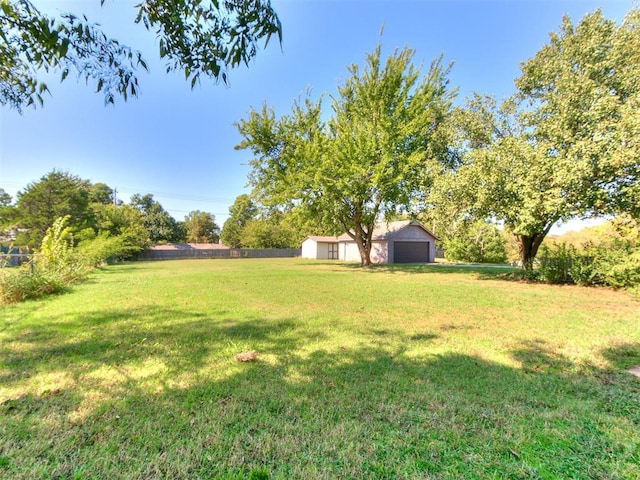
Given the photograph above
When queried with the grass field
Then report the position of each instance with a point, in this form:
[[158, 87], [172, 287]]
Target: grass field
[[426, 372]]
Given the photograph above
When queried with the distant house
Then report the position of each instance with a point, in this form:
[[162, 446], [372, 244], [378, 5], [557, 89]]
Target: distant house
[[394, 242]]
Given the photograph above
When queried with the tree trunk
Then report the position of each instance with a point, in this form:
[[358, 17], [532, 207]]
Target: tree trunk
[[364, 246], [528, 248]]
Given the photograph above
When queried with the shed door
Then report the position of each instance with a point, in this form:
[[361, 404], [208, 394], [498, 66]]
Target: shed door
[[410, 252]]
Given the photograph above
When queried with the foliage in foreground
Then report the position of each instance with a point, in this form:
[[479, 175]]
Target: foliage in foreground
[[198, 37], [54, 269], [423, 372]]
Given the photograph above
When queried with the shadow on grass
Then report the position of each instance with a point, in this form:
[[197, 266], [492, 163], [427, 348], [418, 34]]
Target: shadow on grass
[[623, 355], [499, 272], [296, 412], [535, 356], [177, 338]]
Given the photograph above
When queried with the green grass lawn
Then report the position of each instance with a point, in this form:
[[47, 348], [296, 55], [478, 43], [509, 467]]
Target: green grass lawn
[[390, 372]]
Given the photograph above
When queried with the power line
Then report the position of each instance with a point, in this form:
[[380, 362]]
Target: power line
[[179, 196], [189, 211]]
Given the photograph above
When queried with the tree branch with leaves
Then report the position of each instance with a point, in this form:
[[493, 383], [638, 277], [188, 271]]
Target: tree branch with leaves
[[198, 37]]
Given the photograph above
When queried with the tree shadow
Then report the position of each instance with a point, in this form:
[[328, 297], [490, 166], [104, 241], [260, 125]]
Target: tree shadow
[[485, 272], [536, 356], [298, 411], [117, 337], [623, 355]]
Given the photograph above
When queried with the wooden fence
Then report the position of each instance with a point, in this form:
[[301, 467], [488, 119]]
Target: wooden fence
[[219, 253]]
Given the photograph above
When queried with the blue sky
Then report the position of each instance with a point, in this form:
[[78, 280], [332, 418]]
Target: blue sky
[[178, 143]]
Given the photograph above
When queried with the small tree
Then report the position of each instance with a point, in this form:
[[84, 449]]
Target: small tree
[[273, 231], [7, 212]]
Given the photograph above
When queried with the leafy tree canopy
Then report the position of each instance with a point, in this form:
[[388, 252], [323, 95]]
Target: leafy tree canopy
[[201, 227], [55, 195], [160, 225], [241, 212], [198, 37], [582, 97], [566, 145]]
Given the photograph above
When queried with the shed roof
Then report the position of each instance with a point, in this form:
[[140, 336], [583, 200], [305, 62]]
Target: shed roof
[[386, 230], [320, 238]]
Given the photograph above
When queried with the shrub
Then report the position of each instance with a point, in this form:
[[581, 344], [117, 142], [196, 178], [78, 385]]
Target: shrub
[[21, 283], [622, 270], [57, 256], [615, 265], [103, 248], [583, 270], [56, 267], [555, 262]]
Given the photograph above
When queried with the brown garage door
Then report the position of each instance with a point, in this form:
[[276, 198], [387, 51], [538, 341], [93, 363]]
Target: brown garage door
[[410, 252]]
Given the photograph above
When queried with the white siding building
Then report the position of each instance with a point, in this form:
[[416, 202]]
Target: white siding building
[[394, 242]]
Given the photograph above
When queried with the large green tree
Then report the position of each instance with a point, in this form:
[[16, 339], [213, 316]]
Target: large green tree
[[160, 225], [241, 212], [566, 145], [201, 227], [582, 96], [367, 160], [55, 195], [509, 176], [7, 212], [198, 37]]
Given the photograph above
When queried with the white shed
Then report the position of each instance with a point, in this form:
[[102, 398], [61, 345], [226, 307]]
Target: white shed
[[321, 248], [394, 242]]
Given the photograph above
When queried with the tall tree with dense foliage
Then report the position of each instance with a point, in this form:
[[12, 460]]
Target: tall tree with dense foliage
[[7, 211], [160, 225], [241, 212], [368, 159], [197, 37], [566, 145], [55, 195], [583, 100], [201, 227]]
